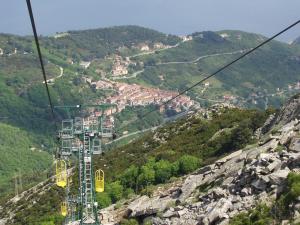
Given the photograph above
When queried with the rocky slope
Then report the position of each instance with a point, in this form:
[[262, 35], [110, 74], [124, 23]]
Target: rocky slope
[[233, 184]]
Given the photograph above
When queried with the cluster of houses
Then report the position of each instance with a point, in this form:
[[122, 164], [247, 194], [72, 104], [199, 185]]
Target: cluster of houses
[[13, 52], [137, 95], [229, 98], [61, 35], [120, 66], [107, 121], [187, 38], [100, 84]]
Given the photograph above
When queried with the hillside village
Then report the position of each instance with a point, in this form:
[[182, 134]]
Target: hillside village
[[137, 95]]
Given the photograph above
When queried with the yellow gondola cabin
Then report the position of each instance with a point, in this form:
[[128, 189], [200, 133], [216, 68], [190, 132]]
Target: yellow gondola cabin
[[99, 181]]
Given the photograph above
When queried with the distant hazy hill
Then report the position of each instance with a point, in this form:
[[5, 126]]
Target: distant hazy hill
[[88, 44]]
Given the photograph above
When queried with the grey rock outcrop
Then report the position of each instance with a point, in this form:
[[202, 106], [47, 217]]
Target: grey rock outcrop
[[295, 144], [148, 206], [290, 112]]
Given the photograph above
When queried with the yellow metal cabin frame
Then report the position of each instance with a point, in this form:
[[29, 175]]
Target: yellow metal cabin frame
[[99, 181], [61, 173], [64, 209]]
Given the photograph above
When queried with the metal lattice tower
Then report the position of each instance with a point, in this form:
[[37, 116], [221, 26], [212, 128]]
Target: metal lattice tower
[[83, 137], [88, 213]]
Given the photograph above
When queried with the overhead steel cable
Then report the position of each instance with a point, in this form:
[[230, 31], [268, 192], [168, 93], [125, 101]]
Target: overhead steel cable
[[220, 69], [40, 57]]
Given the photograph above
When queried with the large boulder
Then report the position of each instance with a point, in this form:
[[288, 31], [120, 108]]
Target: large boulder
[[259, 184], [190, 185], [219, 211], [145, 206], [3, 221], [275, 165], [170, 213], [295, 144], [229, 157], [279, 176], [290, 111], [286, 136], [265, 147], [290, 126]]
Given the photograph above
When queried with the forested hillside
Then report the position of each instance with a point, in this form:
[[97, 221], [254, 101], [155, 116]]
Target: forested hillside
[[22, 157], [98, 43], [273, 66]]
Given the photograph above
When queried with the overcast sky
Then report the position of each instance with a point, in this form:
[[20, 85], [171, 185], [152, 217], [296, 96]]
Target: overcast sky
[[170, 16]]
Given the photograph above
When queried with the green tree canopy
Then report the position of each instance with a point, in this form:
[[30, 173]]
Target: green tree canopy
[[163, 171], [103, 199], [115, 191], [188, 163]]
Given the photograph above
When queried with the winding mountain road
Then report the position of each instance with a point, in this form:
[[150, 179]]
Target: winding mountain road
[[51, 80], [203, 57], [135, 74], [133, 133]]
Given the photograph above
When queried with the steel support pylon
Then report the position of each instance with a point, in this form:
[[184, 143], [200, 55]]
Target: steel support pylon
[[84, 137]]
